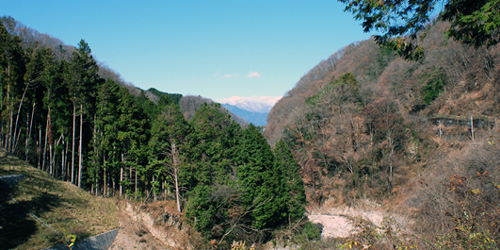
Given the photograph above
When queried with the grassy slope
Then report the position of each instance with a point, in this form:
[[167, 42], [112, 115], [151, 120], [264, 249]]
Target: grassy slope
[[61, 205]]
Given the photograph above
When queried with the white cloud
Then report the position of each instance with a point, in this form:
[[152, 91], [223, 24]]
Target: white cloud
[[217, 74], [254, 74], [231, 75]]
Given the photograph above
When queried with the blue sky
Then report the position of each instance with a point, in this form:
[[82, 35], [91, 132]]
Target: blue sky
[[216, 49]]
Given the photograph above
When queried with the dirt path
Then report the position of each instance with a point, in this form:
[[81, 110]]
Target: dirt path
[[133, 235], [334, 226]]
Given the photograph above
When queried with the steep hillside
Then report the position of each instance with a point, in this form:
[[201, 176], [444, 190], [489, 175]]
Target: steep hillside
[[365, 124], [40, 210]]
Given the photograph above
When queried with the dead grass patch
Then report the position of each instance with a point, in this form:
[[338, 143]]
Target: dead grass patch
[[61, 205]]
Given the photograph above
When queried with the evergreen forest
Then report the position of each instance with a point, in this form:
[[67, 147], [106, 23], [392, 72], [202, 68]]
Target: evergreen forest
[[398, 136], [65, 117]]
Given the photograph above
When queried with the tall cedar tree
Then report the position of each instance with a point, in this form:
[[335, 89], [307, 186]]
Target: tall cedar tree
[[83, 79], [12, 70], [255, 162], [168, 139], [105, 134], [210, 176], [288, 169]]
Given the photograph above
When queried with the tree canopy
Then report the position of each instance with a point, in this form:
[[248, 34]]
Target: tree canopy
[[473, 22]]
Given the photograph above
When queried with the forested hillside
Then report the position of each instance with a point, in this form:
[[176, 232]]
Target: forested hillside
[[420, 137], [60, 115], [366, 124]]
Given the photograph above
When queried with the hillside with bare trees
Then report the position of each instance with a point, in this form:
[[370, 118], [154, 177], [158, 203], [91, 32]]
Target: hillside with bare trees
[[366, 124]]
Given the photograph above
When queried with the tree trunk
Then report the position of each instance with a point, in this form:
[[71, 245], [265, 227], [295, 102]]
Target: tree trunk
[[121, 180], [130, 176], [96, 182], [45, 147], [154, 193], [26, 141], [80, 159], [63, 163], [66, 159], [29, 133], [121, 176], [9, 142], [39, 148], [17, 117], [174, 156], [50, 159], [73, 147], [18, 135], [104, 186]]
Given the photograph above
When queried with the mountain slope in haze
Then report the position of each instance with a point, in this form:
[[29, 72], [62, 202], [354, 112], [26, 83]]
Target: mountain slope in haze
[[256, 118]]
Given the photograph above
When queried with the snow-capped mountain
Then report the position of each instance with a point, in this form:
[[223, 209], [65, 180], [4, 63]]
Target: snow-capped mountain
[[259, 104], [253, 109]]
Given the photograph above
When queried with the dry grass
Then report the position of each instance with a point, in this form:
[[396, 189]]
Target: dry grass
[[61, 205]]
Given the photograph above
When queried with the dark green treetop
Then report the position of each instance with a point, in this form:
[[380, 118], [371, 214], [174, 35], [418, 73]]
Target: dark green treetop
[[474, 22]]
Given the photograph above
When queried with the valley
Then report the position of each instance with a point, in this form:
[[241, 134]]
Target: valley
[[392, 142]]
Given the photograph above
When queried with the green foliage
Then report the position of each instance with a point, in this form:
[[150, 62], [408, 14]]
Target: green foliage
[[176, 98], [347, 78], [433, 86], [347, 84], [474, 22], [285, 164], [400, 22], [235, 181], [311, 231], [229, 180]]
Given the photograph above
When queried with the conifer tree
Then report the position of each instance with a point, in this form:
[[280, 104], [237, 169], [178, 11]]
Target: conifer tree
[[105, 133], [292, 183], [83, 79], [133, 134], [168, 140], [210, 176], [255, 164], [12, 70]]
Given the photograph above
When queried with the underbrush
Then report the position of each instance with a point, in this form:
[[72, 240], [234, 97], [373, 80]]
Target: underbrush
[[42, 211]]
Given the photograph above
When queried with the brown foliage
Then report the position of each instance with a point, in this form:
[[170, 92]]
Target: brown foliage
[[377, 136]]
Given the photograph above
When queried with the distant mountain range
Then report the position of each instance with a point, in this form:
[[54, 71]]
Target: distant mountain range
[[257, 118], [259, 104], [253, 109]]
